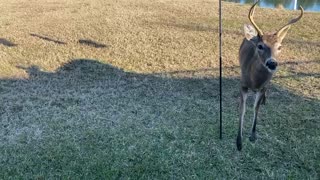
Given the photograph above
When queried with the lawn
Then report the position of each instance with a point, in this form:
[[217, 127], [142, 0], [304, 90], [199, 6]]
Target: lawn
[[129, 89]]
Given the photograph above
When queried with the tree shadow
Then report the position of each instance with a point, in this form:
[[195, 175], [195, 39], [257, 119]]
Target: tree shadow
[[88, 111], [300, 62], [7, 43], [301, 42], [237, 68], [186, 26], [92, 43], [47, 39], [286, 40]]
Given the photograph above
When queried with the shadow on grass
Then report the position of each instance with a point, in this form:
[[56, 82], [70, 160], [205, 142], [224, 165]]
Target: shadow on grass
[[186, 26], [286, 40], [7, 43], [92, 43], [47, 39], [233, 68], [93, 120], [301, 42]]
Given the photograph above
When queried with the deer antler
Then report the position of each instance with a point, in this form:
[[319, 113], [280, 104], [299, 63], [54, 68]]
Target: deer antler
[[292, 21], [251, 12]]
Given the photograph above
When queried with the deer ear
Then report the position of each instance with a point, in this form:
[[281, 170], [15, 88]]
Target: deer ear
[[249, 32], [282, 33]]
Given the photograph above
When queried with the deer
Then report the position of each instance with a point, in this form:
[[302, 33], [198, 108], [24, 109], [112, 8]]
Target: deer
[[257, 59]]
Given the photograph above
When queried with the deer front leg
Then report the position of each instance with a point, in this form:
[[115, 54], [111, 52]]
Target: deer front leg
[[260, 97], [243, 99]]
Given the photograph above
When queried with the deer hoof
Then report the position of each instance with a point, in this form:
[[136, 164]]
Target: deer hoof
[[253, 137], [239, 143]]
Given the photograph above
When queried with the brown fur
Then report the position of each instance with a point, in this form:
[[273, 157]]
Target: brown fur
[[256, 54]]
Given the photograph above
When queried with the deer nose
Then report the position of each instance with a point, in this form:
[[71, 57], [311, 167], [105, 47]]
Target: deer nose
[[272, 64]]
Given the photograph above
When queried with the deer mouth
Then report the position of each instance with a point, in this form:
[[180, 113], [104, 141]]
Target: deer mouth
[[271, 65]]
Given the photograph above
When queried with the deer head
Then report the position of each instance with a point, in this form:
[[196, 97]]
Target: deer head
[[267, 45]]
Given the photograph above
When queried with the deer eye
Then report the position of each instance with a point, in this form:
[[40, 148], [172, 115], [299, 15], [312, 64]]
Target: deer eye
[[279, 48], [260, 47]]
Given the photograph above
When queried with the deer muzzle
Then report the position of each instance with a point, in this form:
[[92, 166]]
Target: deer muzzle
[[271, 64]]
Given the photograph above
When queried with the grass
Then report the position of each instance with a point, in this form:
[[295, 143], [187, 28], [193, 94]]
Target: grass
[[129, 90]]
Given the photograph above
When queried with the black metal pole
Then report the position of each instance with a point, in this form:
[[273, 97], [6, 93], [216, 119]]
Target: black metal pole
[[220, 65]]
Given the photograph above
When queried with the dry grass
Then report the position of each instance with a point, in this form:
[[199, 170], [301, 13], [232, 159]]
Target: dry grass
[[128, 89]]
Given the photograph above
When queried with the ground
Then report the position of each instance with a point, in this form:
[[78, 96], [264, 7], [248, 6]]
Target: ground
[[129, 89]]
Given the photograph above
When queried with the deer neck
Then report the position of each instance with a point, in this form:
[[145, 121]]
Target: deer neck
[[259, 74]]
